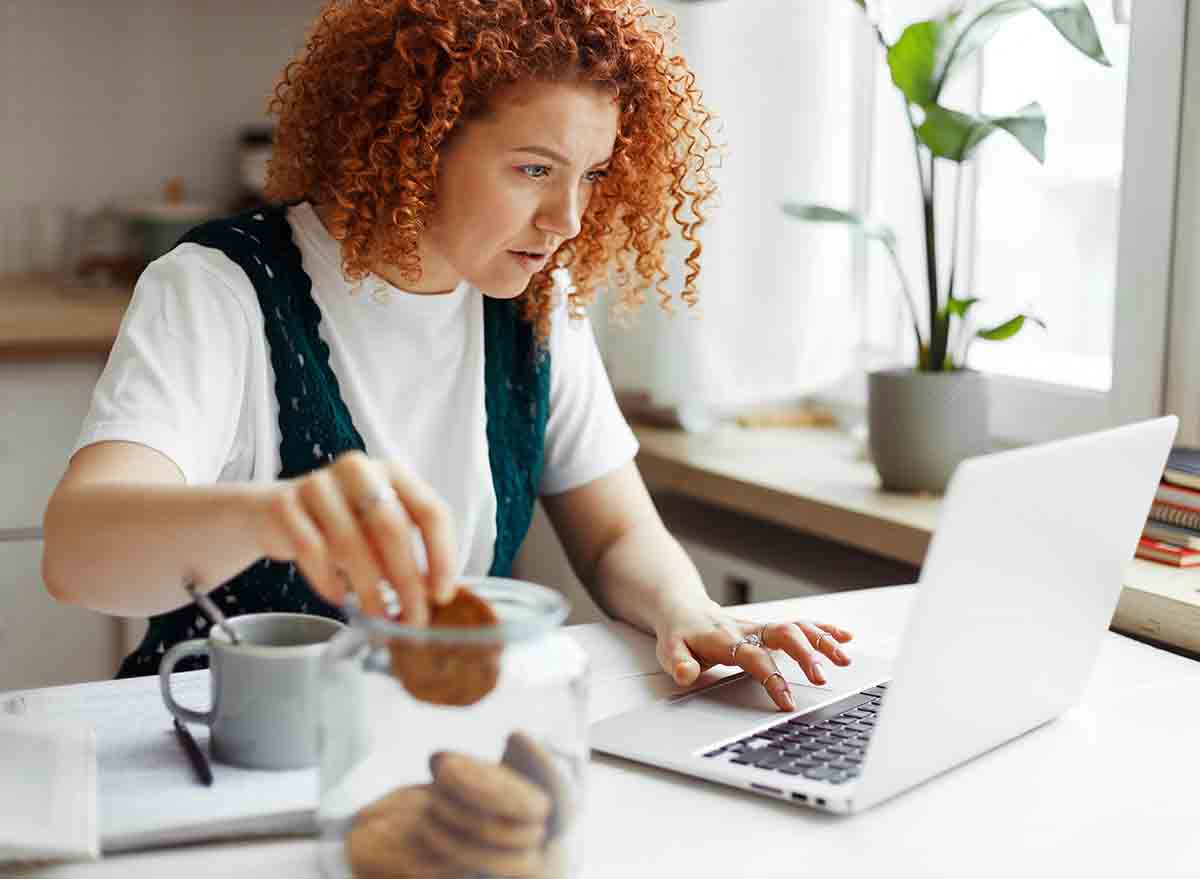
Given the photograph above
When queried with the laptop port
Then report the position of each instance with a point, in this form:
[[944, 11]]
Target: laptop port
[[820, 801], [768, 790], [801, 797]]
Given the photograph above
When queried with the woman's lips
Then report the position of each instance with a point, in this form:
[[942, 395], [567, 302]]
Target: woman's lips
[[529, 262]]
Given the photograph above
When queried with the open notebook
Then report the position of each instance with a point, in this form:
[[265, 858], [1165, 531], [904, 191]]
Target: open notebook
[[147, 794]]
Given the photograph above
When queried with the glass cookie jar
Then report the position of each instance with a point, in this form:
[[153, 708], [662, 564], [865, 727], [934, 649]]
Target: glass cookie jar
[[455, 751]]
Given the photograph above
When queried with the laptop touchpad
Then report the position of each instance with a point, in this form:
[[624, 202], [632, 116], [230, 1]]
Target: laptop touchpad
[[864, 671]]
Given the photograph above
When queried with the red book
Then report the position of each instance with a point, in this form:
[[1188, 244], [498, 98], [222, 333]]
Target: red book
[[1167, 553]]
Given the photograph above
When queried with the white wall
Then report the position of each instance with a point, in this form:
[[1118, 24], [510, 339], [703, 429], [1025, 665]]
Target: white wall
[[106, 100]]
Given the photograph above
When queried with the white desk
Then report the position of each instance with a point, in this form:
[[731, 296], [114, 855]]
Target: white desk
[[1110, 789]]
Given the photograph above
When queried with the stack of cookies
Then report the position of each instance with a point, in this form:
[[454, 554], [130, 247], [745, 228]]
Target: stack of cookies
[[476, 819]]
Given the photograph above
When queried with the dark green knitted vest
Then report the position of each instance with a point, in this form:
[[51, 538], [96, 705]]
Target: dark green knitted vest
[[315, 425]]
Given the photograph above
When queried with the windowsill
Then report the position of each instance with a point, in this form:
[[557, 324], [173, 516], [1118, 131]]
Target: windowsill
[[819, 482], [812, 480]]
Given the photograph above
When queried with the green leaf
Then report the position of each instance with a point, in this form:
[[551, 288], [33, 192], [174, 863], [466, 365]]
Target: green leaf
[[952, 135], [1009, 328], [815, 213], [915, 57], [1070, 18], [959, 307]]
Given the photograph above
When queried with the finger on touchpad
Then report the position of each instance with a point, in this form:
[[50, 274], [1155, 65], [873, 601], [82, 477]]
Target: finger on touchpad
[[837, 677], [794, 674]]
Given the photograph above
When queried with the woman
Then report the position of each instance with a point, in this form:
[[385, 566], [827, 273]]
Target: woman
[[307, 399]]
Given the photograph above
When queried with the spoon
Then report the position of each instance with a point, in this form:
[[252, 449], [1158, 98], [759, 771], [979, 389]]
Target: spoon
[[212, 612]]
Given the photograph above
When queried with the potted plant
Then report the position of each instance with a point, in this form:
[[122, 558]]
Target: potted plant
[[923, 420]]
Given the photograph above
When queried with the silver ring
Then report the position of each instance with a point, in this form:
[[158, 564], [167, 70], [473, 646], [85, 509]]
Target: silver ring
[[820, 638], [753, 639], [367, 504], [774, 674], [392, 605]]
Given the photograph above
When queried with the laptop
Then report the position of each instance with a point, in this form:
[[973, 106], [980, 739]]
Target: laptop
[[1014, 599]]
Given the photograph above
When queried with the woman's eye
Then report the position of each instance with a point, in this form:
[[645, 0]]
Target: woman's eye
[[534, 172], [595, 176]]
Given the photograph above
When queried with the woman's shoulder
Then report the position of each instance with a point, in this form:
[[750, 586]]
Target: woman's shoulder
[[203, 280]]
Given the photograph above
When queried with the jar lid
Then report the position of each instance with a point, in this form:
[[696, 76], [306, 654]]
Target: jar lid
[[526, 610]]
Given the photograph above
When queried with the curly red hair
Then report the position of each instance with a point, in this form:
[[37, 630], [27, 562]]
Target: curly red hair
[[381, 85]]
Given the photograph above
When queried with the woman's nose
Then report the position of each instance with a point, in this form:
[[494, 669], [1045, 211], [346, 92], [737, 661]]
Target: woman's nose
[[561, 215]]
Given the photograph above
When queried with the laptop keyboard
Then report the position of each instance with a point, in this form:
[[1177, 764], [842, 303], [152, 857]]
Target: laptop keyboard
[[825, 745]]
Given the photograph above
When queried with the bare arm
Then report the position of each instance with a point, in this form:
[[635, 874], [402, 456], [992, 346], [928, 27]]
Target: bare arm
[[639, 573], [622, 552], [123, 532]]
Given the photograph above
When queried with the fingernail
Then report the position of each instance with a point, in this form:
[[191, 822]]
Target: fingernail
[[788, 701], [683, 670]]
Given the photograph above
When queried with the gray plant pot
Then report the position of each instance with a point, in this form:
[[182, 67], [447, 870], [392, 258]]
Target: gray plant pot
[[922, 424]]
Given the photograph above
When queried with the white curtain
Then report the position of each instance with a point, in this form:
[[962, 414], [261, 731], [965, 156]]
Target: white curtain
[[778, 309]]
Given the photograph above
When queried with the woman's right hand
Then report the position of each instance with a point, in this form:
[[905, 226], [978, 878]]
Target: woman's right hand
[[353, 525]]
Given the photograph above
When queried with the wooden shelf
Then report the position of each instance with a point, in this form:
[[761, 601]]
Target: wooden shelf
[[41, 317], [810, 479]]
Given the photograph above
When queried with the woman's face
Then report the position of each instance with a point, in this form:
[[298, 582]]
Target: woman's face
[[513, 186]]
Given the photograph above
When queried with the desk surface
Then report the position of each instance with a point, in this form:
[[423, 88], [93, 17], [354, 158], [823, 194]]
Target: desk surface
[[1109, 789]]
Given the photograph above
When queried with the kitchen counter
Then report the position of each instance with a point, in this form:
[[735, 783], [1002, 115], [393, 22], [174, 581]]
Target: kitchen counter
[[41, 317]]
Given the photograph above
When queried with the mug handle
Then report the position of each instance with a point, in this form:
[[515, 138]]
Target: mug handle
[[195, 647]]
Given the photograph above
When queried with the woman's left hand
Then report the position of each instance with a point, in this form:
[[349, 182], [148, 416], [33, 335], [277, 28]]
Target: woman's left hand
[[694, 638]]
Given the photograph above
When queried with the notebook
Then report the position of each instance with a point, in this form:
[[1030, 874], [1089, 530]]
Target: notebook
[[1183, 466], [146, 792], [48, 776]]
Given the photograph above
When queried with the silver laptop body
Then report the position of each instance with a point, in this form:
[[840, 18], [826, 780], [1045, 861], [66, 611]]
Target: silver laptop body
[[1016, 593]]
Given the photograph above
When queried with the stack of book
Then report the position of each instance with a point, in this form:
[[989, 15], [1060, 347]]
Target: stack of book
[[1172, 532]]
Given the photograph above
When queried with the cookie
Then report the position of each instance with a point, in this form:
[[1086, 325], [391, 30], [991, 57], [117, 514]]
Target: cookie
[[475, 856], [413, 797], [483, 828], [489, 788], [384, 842], [523, 753], [450, 673]]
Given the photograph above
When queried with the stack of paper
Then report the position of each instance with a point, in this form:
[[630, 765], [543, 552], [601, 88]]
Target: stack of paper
[[48, 775], [145, 787]]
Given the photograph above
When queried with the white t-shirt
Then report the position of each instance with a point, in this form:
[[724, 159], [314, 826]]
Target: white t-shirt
[[190, 376]]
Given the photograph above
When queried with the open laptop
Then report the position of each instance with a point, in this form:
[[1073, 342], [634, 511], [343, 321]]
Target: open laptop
[[1016, 593]]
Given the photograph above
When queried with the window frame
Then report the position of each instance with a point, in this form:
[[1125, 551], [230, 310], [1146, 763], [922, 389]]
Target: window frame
[[1028, 411], [1023, 410]]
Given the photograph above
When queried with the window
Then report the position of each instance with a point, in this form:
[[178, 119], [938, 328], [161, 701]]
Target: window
[[1045, 236], [1085, 240]]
